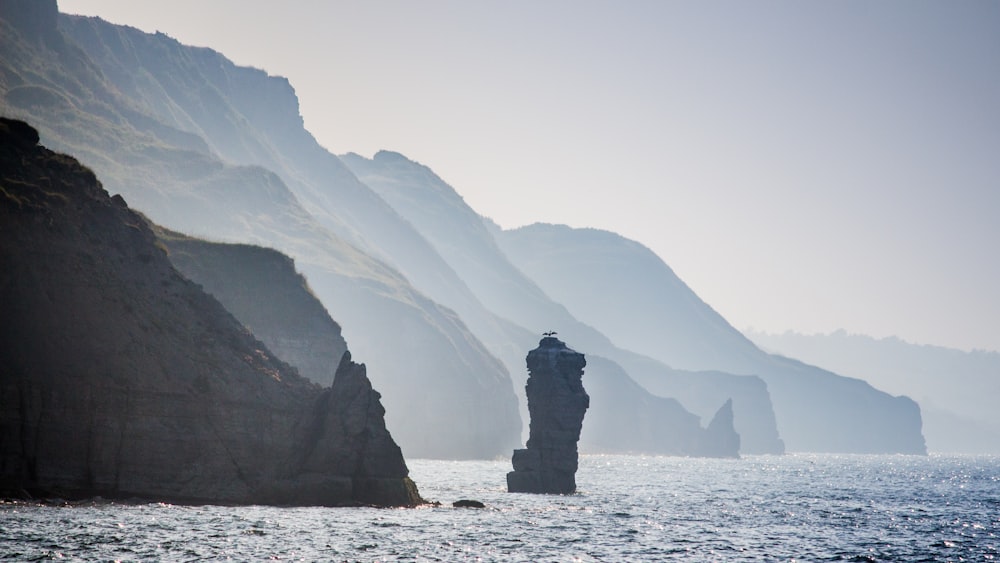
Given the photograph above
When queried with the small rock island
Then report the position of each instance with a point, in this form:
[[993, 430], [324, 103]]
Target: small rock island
[[557, 402]]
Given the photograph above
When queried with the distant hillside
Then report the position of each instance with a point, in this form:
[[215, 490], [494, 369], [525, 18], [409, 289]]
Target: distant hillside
[[422, 293], [122, 378], [85, 106], [250, 118], [627, 290], [625, 418], [461, 237], [957, 390]]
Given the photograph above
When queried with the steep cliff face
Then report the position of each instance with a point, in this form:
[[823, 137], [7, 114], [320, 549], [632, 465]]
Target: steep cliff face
[[252, 118], [446, 395], [123, 378], [264, 292], [261, 288]]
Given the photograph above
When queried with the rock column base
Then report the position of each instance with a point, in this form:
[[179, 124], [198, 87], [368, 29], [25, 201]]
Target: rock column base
[[529, 477]]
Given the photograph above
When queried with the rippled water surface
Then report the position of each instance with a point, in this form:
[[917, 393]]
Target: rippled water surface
[[629, 508]]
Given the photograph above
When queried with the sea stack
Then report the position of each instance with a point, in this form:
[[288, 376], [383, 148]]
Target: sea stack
[[557, 402]]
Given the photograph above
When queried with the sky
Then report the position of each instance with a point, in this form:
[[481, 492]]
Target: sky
[[804, 166]]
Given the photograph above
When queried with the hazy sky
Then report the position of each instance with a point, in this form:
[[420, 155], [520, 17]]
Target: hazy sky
[[801, 165]]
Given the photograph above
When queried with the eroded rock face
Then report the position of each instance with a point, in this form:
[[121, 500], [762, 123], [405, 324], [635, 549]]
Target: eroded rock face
[[262, 289], [122, 378], [557, 402]]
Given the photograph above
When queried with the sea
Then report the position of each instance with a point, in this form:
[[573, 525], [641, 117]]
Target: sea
[[794, 507]]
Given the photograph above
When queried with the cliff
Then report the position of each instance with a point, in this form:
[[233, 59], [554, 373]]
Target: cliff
[[262, 289], [474, 251], [642, 302], [191, 143], [626, 418], [122, 378], [956, 389], [204, 146]]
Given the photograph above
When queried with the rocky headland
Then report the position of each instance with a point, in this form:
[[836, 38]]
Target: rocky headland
[[122, 378], [557, 402]]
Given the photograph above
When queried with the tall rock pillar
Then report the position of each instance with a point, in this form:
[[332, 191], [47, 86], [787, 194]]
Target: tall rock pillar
[[557, 402]]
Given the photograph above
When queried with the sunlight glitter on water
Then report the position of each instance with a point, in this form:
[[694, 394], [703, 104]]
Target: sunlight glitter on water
[[629, 508]]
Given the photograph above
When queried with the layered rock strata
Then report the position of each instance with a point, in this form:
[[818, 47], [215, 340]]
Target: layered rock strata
[[122, 378], [557, 403]]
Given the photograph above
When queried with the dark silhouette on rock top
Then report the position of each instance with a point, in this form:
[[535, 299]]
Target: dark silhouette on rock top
[[122, 378], [557, 402]]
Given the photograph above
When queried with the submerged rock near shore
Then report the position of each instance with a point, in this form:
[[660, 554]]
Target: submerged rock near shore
[[122, 378], [557, 402]]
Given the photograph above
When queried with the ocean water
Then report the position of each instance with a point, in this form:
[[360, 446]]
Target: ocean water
[[628, 508]]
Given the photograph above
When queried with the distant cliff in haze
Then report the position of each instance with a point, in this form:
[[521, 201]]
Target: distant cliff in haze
[[625, 416], [631, 292], [957, 390]]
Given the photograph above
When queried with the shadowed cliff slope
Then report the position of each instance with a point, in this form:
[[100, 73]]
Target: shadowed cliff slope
[[178, 180], [261, 288], [123, 378]]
